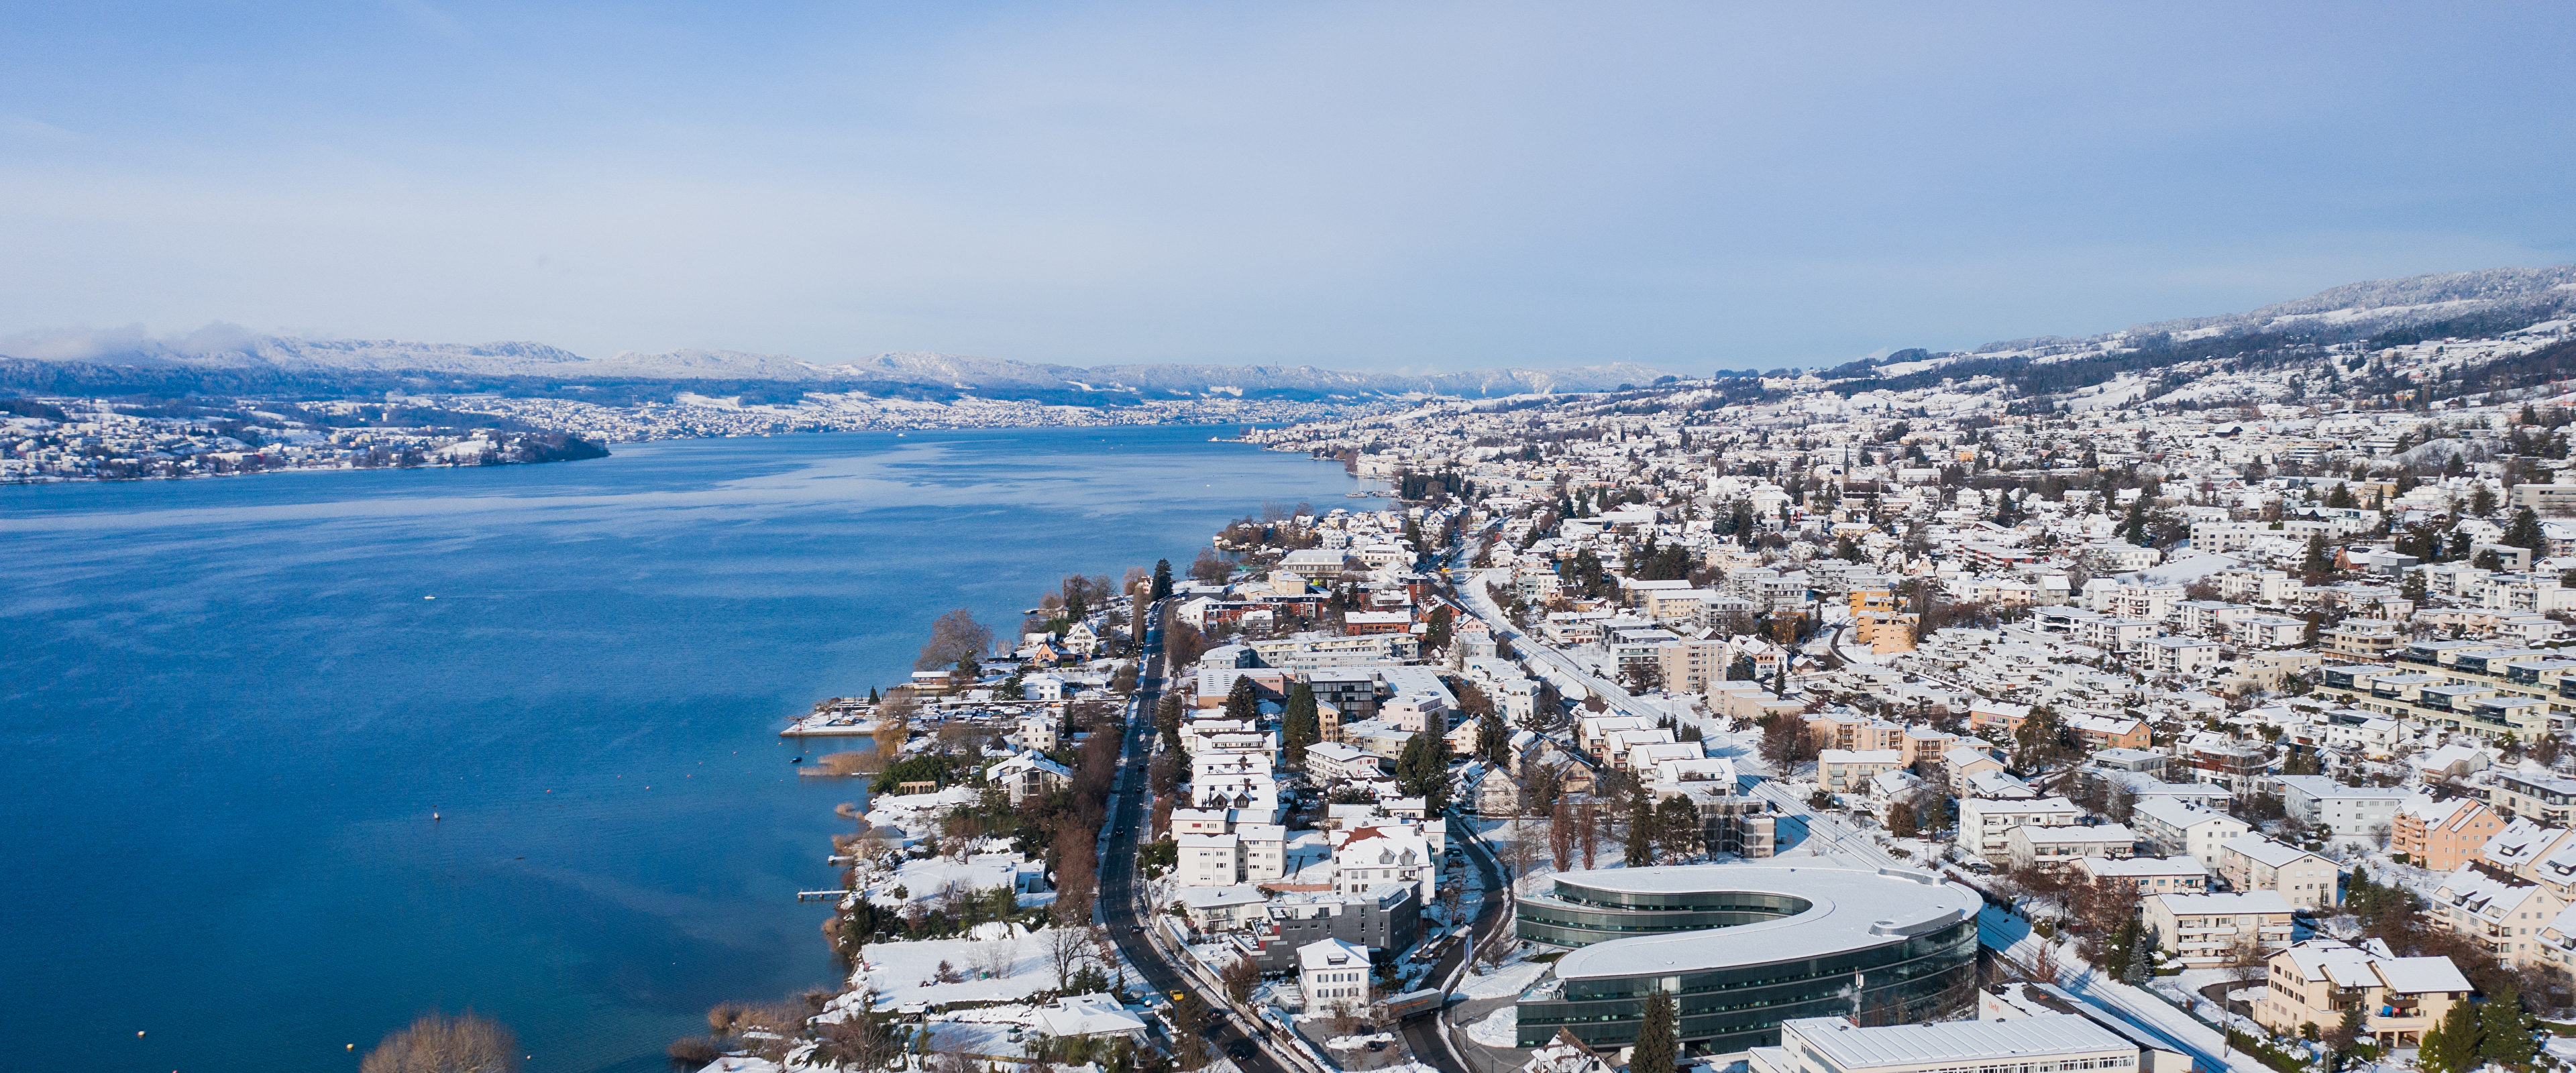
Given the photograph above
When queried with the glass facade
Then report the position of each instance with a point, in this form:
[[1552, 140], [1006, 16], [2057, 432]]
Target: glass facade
[[1580, 916], [1900, 980]]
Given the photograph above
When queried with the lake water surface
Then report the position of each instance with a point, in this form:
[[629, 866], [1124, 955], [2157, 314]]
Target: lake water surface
[[231, 708]]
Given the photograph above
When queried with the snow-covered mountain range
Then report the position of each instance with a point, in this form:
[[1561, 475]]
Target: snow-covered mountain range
[[937, 372]]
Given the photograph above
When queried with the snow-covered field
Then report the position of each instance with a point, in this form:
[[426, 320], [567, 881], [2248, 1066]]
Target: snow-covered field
[[1513, 978], [1496, 1029], [998, 968]]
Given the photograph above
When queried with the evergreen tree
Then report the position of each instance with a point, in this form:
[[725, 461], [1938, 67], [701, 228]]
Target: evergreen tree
[[2525, 533], [2453, 1045], [1641, 832], [1493, 743], [2504, 1031], [1244, 700], [1678, 825], [1300, 725], [1436, 635], [2317, 565], [1162, 578], [1658, 1038], [1423, 771], [2142, 956], [2134, 530]]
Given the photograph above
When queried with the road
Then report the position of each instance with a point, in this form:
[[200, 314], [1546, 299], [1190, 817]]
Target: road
[[1120, 907], [1836, 835], [1545, 657], [1423, 1034], [2011, 936]]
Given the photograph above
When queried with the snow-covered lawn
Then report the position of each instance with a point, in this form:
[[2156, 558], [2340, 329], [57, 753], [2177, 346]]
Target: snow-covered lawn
[[990, 1034], [917, 815], [905, 972], [1497, 1029], [1513, 978]]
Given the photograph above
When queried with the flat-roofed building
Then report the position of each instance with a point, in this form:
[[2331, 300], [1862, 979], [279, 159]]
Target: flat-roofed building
[[1986, 824], [2149, 875], [1848, 771], [2252, 862], [2037, 846], [2062, 1041], [2176, 828], [2363, 813], [2538, 796], [1743, 947], [2205, 930]]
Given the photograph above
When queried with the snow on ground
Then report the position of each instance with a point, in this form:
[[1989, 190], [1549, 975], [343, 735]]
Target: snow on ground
[[923, 879], [1512, 979], [2201, 1038], [2191, 567], [741, 1065], [918, 814], [1497, 1029], [992, 1032], [908, 971], [1353, 1043]]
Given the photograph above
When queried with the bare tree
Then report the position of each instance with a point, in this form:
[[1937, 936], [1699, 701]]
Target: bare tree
[[997, 957], [953, 637], [1068, 950], [1560, 835], [1522, 851], [466, 1043], [1240, 976]]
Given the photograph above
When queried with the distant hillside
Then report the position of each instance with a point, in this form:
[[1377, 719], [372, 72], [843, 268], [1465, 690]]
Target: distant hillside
[[270, 363], [2380, 313]]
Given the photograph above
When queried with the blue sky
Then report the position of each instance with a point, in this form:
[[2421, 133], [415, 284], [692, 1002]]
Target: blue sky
[[1373, 185]]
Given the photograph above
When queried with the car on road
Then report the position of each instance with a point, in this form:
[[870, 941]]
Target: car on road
[[1240, 1050]]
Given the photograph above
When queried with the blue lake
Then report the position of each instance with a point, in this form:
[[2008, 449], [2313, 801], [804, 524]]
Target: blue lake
[[231, 708]]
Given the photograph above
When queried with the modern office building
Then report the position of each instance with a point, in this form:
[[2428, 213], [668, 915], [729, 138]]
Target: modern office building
[[2056, 1041], [1745, 946]]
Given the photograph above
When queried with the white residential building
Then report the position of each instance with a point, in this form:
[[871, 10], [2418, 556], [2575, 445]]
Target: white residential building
[[2361, 813], [1986, 824], [2177, 828], [1333, 974]]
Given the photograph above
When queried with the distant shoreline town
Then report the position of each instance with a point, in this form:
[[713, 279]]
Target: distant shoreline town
[[47, 440]]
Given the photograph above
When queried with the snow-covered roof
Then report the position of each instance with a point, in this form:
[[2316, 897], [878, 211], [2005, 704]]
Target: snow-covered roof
[[1218, 897], [1331, 954], [1850, 1047], [1849, 907], [2136, 867], [2045, 835], [2264, 851], [2415, 976], [1087, 1015], [2260, 901]]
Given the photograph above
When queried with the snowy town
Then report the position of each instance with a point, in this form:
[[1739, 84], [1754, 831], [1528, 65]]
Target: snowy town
[[1756, 725], [49, 439]]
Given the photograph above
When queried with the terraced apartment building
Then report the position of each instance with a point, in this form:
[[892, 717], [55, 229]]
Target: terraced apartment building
[[2475, 687]]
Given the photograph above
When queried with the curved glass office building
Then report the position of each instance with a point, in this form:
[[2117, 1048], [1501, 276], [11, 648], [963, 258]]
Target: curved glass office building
[[1742, 947]]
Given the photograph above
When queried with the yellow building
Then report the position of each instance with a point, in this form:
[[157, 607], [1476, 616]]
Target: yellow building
[[2314, 982]]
